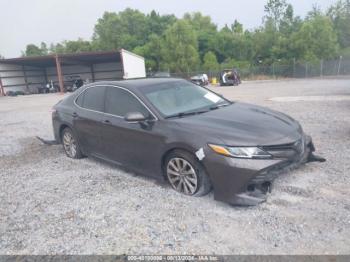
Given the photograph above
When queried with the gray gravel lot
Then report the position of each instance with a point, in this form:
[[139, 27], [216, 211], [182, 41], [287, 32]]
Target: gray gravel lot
[[50, 204]]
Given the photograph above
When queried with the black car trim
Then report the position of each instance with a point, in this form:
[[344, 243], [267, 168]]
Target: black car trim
[[109, 85]]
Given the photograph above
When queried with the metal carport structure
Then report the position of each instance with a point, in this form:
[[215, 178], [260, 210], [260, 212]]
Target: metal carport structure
[[28, 73]]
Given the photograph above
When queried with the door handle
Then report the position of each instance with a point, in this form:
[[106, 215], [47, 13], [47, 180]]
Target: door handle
[[107, 121], [75, 114]]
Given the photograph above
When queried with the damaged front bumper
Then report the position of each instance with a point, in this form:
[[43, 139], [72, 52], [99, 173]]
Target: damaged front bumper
[[246, 182]]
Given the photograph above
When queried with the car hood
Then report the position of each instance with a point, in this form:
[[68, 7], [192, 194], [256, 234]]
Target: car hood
[[243, 124]]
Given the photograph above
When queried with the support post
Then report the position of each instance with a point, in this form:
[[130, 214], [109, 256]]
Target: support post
[[339, 65], [25, 78], [306, 69], [92, 73], [45, 75], [321, 68], [294, 67], [59, 74], [2, 92]]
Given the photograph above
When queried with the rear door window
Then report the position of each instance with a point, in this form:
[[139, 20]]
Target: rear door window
[[93, 98], [119, 102], [80, 100]]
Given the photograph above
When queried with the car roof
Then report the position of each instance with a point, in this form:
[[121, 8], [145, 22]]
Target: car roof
[[140, 83]]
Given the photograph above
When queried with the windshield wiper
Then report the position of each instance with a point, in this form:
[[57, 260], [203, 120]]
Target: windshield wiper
[[219, 106], [182, 114]]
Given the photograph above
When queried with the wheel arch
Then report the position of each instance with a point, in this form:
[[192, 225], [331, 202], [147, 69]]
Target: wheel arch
[[171, 149], [61, 128]]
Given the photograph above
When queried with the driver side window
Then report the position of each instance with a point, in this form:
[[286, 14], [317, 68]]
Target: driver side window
[[119, 102]]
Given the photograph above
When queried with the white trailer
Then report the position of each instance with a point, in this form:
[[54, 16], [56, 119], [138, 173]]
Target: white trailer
[[133, 65]]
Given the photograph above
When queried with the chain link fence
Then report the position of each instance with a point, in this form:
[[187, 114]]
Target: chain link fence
[[336, 67]]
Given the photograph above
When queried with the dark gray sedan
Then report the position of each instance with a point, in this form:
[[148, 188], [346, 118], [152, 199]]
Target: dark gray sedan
[[174, 130]]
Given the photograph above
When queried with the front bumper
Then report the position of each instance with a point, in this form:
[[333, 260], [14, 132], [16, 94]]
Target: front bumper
[[247, 181]]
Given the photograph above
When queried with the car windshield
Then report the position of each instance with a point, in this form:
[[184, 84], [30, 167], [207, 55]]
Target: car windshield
[[182, 97]]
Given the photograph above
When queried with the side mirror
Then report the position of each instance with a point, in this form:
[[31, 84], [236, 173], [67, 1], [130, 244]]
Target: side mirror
[[134, 117]]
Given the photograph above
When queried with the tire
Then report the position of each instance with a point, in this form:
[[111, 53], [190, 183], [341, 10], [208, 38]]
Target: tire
[[70, 144], [191, 174]]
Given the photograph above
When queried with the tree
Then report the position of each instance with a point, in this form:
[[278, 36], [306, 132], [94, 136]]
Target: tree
[[69, 47], [289, 23], [127, 29], [316, 39], [33, 50], [152, 52], [77, 46], [315, 11], [340, 16], [157, 24], [107, 32], [205, 29], [210, 63], [43, 48], [237, 27], [194, 42], [275, 10], [263, 44], [180, 49]]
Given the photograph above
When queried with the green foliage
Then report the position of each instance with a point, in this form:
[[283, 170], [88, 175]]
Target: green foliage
[[69, 47], [340, 16], [180, 49], [205, 30], [194, 41], [345, 52], [128, 29], [237, 27], [275, 11], [316, 39], [152, 52], [33, 50], [210, 63], [232, 63]]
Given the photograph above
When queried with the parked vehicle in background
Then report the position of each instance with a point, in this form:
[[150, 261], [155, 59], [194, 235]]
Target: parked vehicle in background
[[73, 83], [175, 130], [45, 89], [201, 80], [229, 77], [15, 93]]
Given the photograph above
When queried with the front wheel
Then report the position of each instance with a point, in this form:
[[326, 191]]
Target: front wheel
[[70, 144], [186, 175]]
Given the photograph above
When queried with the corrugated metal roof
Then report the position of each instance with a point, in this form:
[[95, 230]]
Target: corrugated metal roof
[[66, 59]]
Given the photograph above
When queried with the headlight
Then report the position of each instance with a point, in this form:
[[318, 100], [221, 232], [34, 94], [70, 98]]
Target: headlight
[[241, 152]]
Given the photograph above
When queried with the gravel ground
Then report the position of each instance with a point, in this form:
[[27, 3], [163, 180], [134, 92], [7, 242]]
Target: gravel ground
[[50, 204]]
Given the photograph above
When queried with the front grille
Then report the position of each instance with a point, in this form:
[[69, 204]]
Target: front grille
[[287, 151], [297, 149]]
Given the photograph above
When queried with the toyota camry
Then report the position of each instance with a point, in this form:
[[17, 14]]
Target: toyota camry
[[174, 130]]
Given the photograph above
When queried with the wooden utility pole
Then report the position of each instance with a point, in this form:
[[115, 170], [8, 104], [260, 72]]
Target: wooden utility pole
[[2, 92], [25, 78], [59, 74]]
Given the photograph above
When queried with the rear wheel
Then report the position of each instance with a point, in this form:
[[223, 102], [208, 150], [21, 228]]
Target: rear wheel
[[186, 175], [70, 144]]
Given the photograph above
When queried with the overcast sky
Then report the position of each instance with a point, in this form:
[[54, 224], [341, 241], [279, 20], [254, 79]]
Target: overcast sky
[[32, 21]]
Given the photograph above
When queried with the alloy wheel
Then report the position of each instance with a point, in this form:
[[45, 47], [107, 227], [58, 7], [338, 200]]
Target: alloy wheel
[[69, 144], [182, 176]]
